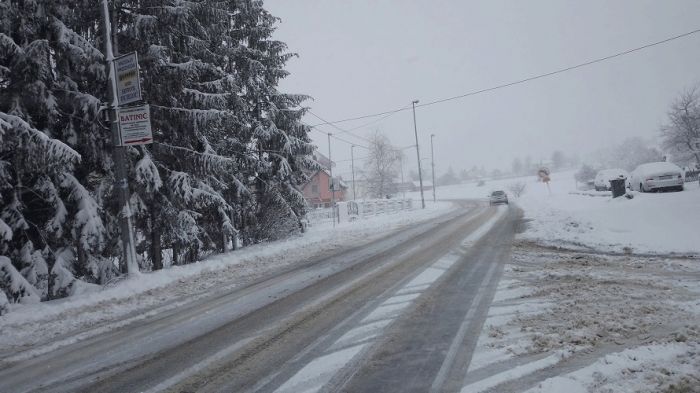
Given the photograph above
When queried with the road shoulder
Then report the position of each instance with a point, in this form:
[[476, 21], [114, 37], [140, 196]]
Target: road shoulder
[[591, 322]]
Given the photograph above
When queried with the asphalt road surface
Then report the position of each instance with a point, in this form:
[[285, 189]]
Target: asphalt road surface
[[401, 314]]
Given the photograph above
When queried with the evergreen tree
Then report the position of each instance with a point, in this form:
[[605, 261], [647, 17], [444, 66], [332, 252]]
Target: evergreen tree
[[43, 66], [448, 178], [229, 145], [230, 148]]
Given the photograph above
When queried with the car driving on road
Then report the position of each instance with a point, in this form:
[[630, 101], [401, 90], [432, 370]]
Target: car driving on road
[[498, 197], [655, 176]]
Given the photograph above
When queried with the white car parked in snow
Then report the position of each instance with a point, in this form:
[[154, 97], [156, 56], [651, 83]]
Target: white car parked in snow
[[654, 176], [602, 179]]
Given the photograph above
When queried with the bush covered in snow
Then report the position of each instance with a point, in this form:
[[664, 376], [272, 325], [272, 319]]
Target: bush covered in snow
[[4, 304], [13, 284], [517, 188]]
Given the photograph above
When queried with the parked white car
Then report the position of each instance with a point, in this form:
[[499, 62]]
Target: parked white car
[[602, 179], [655, 176]]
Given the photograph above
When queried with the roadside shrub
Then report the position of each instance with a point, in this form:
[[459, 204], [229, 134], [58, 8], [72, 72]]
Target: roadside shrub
[[517, 188]]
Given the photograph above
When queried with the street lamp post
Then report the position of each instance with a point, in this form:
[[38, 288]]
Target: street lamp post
[[403, 182], [330, 180], [432, 162], [420, 174], [352, 165]]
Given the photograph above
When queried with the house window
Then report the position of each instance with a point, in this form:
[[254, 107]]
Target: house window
[[314, 188]]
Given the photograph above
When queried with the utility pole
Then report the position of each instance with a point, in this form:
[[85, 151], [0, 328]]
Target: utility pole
[[128, 262], [331, 182], [432, 161], [420, 174], [403, 183], [352, 165]]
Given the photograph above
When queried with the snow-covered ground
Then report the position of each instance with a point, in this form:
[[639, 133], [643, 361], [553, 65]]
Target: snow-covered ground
[[561, 216], [601, 295], [63, 321], [581, 322]]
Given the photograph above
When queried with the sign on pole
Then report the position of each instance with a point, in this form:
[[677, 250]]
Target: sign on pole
[[334, 184], [128, 83], [135, 125]]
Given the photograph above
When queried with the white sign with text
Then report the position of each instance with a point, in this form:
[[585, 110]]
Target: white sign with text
[[128, 83], [135, 125]]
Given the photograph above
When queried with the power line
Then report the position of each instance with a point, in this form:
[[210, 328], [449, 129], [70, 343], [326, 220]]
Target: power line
[[339, 138], [372, 122], [350, 159], [348, 142], [338, 128], [517, 82]]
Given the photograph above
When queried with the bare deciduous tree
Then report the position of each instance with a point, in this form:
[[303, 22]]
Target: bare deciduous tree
[[630, 153], [684, 127], [381, 167], [517, 188]]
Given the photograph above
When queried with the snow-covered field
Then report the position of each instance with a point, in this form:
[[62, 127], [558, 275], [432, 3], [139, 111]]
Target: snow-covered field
[[561, 216], [601, 295], [60, 322]]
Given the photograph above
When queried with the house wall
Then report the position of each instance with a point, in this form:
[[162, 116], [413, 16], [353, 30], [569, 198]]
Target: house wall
[[316, 190]]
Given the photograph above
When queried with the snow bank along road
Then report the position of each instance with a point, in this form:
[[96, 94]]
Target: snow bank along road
[[400, 314]]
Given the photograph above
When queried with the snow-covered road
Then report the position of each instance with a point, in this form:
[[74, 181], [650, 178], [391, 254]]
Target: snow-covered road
[[30, 329], [408, 308], [272, 334]]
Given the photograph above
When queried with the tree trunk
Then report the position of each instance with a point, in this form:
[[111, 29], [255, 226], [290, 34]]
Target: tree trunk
[[82, 261], [176, 252], [156, 254], [224, 240]]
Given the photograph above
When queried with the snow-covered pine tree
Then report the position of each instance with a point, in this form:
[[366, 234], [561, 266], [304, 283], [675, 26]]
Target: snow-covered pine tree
[[210, 73], [230, 148], [180, 179], [273, 128], [46, 122]]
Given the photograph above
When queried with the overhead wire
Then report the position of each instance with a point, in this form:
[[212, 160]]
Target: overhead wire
[[334, 136], [516, 82], [338, 128]]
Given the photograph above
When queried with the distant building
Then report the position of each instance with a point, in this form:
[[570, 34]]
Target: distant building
[[322, 160], [317, 190]]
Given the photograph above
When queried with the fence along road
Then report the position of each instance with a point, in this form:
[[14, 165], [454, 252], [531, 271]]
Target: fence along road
[[352, 210]]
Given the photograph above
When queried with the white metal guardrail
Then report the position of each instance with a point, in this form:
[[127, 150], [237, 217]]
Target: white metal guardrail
[[354, 210]]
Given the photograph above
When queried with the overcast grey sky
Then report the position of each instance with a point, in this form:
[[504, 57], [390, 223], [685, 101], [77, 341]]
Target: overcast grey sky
[[363, 56]]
